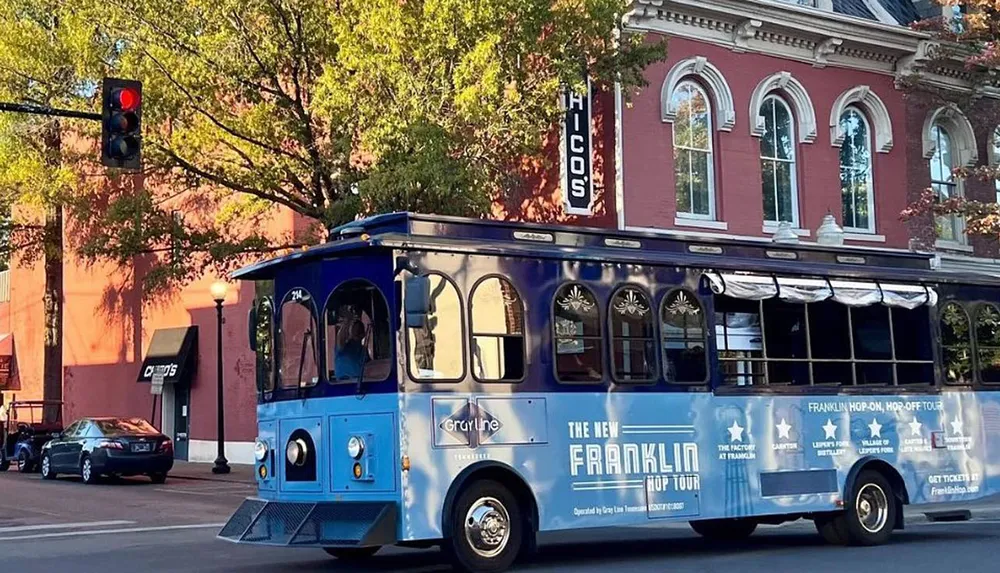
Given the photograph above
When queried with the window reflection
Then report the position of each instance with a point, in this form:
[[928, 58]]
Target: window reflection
[[298, 364], [577, 334], [956, 344], [633, 338], [358, 334], [856, 172], [777, 158], [497, 331], [682, 321], [942, 164], [692, 135], [435, 349], [988, 343]]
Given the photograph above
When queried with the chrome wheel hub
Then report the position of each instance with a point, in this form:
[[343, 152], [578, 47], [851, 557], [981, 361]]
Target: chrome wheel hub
[[86, 470], [873, 508], [45, 465], [487, 527]]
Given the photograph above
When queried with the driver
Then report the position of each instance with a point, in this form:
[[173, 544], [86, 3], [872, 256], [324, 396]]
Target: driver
[[350, 351]]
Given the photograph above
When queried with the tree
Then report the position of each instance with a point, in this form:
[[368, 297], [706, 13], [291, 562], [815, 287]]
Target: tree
[[50, 54], [971, 36], [338, 108]]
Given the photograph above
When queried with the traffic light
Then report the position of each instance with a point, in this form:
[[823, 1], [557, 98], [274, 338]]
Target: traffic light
[[121, 124]]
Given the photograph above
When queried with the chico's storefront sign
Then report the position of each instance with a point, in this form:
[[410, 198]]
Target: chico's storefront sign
[[577, 146]]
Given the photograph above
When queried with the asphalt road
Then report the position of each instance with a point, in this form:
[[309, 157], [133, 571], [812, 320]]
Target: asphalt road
[[133, 525]]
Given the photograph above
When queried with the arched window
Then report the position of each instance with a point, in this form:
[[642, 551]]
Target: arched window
[[577, 333], [777, 162], [856, 186], [956, 344], [436, 350], [358, 333], [988, 343], [298, 365], [942, 163], [682, 326], [694, 177], [633, 336], [497, 325]]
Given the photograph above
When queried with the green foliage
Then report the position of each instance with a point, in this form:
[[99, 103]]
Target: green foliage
[[332, 109]]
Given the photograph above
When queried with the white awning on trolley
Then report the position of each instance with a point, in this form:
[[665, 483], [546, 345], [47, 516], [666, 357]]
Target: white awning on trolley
[[751, 286]]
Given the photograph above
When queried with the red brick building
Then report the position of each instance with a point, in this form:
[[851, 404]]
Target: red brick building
[[767, 114]]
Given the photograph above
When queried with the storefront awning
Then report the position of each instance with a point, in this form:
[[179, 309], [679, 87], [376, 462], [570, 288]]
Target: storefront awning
[[801, 290], [172, 351]]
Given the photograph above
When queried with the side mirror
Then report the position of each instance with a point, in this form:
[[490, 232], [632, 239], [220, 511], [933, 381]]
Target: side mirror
[[56, 435], [252, 327], [417, 298]]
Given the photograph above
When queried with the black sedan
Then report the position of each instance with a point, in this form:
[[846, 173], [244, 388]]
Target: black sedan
[[93, 447]]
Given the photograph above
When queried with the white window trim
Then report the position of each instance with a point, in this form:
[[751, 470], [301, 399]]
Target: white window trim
[[793, 163], [875, 111], [870, 229], [685, 220], [864, 237], [801, 104], [963, 137], [721, 96], [994, 151], [711, 155]]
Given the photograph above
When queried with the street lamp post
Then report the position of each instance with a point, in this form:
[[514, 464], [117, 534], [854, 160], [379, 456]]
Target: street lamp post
[[219, 289]]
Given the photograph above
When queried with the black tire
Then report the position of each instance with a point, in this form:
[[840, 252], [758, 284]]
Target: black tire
[[158, 478], [24, 464], [352, 554], [46, 467], [869, 516], [734, 529], [4, 463], [490, 503], [90, 477]]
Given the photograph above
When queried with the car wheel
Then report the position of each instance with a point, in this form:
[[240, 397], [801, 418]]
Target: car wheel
[[46, 467], [869, 517], [352, 553], [24, 464], [158, 477], [487, 529], [736, 529], [87, 471]]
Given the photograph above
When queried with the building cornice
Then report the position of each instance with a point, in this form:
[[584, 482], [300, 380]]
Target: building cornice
[[806, 34]]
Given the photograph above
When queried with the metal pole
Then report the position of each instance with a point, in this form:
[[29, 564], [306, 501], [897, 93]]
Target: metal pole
[[221, 464], [42, 110]]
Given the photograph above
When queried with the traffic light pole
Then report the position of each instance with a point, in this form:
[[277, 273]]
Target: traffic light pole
[[42, 110]]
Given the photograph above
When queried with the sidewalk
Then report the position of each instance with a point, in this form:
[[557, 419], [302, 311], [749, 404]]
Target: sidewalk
[[240, 473]]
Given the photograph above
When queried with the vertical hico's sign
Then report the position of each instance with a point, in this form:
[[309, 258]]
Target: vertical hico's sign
[[576, 151]]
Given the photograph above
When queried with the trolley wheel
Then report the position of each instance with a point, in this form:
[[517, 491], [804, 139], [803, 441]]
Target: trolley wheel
[[869, 517], [4, 462], [487, 529], [46, 467], [351, 554], [158, 478], [735, 529]]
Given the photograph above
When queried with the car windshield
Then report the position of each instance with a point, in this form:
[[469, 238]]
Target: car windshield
[[125, 426]]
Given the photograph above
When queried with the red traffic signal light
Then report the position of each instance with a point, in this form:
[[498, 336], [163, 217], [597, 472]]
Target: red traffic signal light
[[126, 99], [121, 124]]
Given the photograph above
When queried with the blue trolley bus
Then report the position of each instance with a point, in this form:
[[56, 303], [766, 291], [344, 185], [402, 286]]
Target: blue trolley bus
[[432, 380]]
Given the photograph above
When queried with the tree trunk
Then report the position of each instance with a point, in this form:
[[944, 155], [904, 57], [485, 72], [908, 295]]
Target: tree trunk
[[52, 363]]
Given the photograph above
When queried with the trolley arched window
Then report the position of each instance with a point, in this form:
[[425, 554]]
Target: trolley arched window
[[577, 335], [956, 344], [497, 326], [988, 343], [633, 336], [358, 334], [682, 327], [298, 363], [263, 333], [436, 350]]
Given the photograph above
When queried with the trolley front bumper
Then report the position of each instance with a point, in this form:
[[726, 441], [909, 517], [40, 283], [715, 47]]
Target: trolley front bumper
[[320, 524]]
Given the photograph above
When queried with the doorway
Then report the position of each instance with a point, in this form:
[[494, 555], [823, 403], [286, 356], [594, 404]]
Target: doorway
[[176, 417]]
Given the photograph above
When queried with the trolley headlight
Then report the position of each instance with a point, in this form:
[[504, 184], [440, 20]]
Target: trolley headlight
[[355, 447], [259, 449], [297, 452]]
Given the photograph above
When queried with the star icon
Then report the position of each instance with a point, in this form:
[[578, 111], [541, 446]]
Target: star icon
[[956, 426], [735, 432], [875, 428], [915, 427], [783, 429], [830, 429]]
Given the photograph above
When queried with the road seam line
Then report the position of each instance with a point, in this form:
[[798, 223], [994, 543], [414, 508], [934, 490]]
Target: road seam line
[[113, 531], [20, 528]]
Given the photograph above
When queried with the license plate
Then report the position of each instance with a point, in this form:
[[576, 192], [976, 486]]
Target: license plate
[[141, 447]]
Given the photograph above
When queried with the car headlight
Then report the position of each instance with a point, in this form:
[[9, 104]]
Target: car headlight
[[259, 449], [355, 447], [297, 452]]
